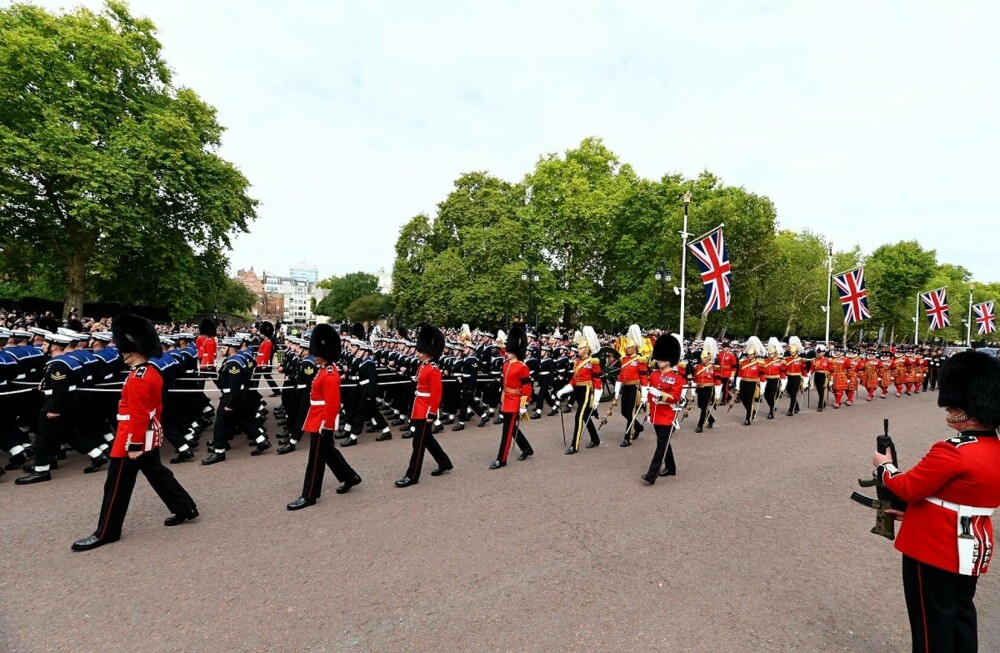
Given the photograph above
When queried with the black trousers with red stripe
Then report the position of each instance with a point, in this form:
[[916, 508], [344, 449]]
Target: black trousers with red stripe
[[511, 431], [118, 487], [423, 440], [323, 454], [939, 603], [663, 456]]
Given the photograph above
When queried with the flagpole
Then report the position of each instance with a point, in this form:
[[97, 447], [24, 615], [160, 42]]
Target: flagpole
[[916, 323], [829, 289], [968, 325], [684, 259]]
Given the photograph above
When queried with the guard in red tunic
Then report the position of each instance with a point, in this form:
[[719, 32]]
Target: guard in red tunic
[[795, 371], [946, 537], [137, 443], [870, 374], [820, 370], [515, 389], [585, 384], [726, 374], [206, 344], [773, 374], [426, 404], [884, 374], [321, 420], [631, 384], [750, 375], [708, 388], [265, 353], [666, 385]]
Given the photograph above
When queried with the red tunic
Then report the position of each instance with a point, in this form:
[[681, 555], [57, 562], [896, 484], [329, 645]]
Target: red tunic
[[838, 366], [752, 370], [727, 364], [870, 374], [671, 386], [794, 366], [139, 412], [774, 368], [207, 350], [959, 471], [821, 365], [586, 371], [428, 394], [635, 371], [704, 375], [516, 384], [324, 401], [264, 352]]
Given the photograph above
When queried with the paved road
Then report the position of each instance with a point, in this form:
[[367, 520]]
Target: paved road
[[754, 546]]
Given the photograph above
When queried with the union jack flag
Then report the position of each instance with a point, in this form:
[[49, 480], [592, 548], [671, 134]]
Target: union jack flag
[[986, 317], [936, 302], [713, 261], [853, 295]]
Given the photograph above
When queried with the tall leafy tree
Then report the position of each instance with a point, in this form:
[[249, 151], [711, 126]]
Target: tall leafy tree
[[343, 291], [103, 161]]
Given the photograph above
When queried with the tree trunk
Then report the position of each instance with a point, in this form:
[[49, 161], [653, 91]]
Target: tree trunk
[[76, 281], [701, 326]]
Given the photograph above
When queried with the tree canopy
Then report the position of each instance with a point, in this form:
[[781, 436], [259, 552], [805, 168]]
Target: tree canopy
[[344, 291], [594, 233], [110, 179]]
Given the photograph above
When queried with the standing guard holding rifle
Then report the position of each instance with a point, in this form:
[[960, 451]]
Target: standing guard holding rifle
[[946, 537]]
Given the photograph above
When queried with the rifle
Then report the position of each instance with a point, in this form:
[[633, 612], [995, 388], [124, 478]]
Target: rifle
[[885, 500]]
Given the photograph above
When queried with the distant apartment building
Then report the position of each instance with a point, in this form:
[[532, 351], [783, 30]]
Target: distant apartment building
[[298, 294], [305, 272]]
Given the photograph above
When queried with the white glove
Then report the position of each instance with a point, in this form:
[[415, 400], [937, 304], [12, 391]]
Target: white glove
[[718, 392], [763, 386], [806, 381], [654, 392], [565, 390], [524, 410], [347, 427], [644, 391], [597, 396], [618, 389], [784, 384]]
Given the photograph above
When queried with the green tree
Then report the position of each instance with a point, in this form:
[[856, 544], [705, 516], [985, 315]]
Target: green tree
[[342, 291], [369, 308], [103, 161], [894, 274]]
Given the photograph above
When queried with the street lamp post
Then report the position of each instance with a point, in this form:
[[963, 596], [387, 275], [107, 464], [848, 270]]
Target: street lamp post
[[531, 277], [663, 276], [684, 246]]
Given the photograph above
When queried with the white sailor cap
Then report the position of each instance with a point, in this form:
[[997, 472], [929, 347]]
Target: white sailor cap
[[57, 338], [103, 336], [21, 333], [167, 340]]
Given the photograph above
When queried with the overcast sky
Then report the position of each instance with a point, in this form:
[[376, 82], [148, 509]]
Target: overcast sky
[[869, 122]]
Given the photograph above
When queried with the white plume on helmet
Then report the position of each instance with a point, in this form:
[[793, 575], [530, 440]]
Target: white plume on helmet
[[635, 336], [756, 346], [592, 341], [773, 344], [795, 344], [710, 348]]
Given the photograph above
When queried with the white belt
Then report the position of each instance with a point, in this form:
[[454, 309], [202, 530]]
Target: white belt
[[423, 394], [965, 511], [301, 387], [72, 387], [124, 418], [226, 391], [544, 373], [46, 392], [321, 402], [365, 382]]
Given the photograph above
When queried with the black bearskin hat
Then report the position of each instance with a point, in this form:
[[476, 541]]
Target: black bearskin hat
[[75, 325], [325, 342], [48, 323], [517, 342], [207, 328], [403, 333], [266, 329], [134, 333], [970, 380], [666, 348], [358, 331], [430, 340]]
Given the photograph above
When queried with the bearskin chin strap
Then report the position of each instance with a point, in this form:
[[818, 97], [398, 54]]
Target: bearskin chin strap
[[961, 417]]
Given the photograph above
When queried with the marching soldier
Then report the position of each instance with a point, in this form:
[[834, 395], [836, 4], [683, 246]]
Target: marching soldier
[[546, 376], [821, 368], [750, 375], [708, 389], [884, 374], [585, 384], [631, 384], [851, 366], [137, 443], [468, 379], [795, 371], [870, 374], [516, 392], [666, 385], [321, 420], [726, 371], [365, 407], [774, 376], [899, 373], [426, 404], [234, 410], [305, 372], [838, 377]]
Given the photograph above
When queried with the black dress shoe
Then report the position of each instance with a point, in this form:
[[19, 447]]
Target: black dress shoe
[[448, 421], [591, 445], [636, 430], [699, 430], [496, 464], [441, 470], [383, 437], [458, 427], [396, 422], [770, 415], [261, 448], [404, 428], [340, 435], [347, 485], [301, 503], [288, 447], [711, 423], [649, 479], [669, 472], [96, 464], [16, 461], [570, 451], [406, 481], [746, 422], [553, 412], [349, 442], [568, 409], [173, 520], [789, 413], [526, 454], [33, 477], [625, 443], [485, 420], [819, 410], [437, 428], [407, 434], [498, 420], [91, 542], [182, 457], [214, 457]]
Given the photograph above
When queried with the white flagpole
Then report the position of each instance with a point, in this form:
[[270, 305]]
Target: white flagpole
[[684, 259], [916, 323], [968, 325], [829, 289]]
